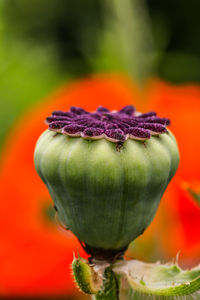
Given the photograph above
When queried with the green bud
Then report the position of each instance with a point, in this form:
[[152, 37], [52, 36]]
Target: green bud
[[86, 278], [95, 279]]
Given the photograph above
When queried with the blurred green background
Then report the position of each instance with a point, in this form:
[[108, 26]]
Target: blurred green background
[[43, 43]]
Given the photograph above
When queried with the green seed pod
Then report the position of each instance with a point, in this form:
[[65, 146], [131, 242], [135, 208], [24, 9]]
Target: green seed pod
[[106, 172]]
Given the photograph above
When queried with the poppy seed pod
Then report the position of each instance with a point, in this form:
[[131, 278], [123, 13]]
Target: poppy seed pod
[[106, 172]]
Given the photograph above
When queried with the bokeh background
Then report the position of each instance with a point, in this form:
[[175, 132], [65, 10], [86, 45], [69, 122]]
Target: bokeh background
[[54, 54]]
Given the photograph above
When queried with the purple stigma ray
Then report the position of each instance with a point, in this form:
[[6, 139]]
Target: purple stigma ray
[[72, 129], [115, 126], [129, 110], [93, 132], [78, 110], [102, 109], [115, 135], [154, 128]]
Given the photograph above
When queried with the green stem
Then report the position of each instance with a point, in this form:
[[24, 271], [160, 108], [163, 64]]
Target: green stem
[[110, 287]]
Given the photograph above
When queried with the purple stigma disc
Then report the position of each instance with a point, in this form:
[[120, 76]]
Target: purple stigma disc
[[115, 126]]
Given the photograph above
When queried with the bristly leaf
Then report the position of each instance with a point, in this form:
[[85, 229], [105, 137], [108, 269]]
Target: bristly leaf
[[159, 281]]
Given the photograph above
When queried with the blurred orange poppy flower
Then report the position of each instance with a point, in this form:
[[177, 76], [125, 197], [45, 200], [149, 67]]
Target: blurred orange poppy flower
[[35, 254], [182, 213]]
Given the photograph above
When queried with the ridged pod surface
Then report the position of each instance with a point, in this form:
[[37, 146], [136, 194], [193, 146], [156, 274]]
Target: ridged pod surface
[[106, 193]]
